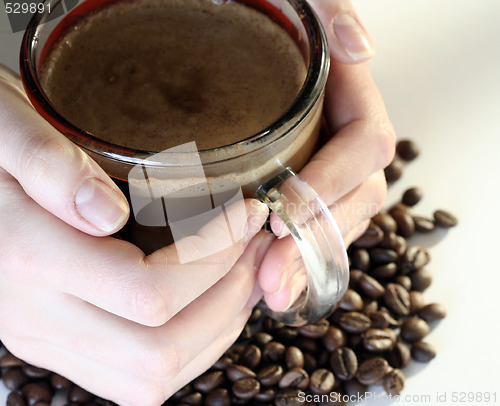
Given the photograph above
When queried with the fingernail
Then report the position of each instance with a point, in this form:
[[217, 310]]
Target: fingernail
[[256, 217], [352, 37], [100, 205]]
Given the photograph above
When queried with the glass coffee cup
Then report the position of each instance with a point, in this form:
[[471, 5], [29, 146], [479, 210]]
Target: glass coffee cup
[[262, 166]]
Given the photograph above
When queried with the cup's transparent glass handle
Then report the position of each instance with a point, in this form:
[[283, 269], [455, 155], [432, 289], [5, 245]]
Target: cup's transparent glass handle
[[319, 241]]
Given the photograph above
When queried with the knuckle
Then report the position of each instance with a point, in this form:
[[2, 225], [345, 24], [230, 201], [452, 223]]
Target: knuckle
[[160, 364], [386, 139], [147, 305], [146, 394], [379, 186]]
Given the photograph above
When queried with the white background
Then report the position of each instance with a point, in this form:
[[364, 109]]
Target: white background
[[438, 68]]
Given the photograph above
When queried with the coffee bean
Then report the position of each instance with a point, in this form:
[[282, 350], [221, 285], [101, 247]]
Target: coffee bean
[[307, 345], [423, 224], [397, 299], [371, 237], [417, 301], [405, 222], [394, 170], [370, 286], [394, 382], [381, 256], [218, 397], [273, 352], [400, 245], [385, 222], [246, 388], [414, 329], [334, 338], [261, 338], [389, 241], [289, 397], [415, 258], [412, 196], [270, 375], [316, 330], [10, 361], [196, 398], [237, 372], [445, 219], [35, 372], [60, 382], [15, 399], [399, 356], [256, 315], [351, 301], [432, 312], [355, 322], [294, 358], [378, 319], [360, 259], [422, 351], [384, 272], [184, 391], [372, 370], [250, 356], [310, 363], [294, 378], [379, 340], [79, 395], [14, 378], [34, 393], [266, 395], [354, 276], [321, 381], [421, 280], [209, 381], [344, 363], [404, 281], [391, 319], [407, 149], [355, 390], [223, 362], [286, 335]]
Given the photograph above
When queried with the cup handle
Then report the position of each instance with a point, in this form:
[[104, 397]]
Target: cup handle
[[319, 241]]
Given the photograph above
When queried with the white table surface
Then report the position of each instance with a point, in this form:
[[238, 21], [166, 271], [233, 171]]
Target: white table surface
[[438, 68]]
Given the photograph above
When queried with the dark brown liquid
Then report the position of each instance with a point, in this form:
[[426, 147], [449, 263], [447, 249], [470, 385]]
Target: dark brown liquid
[[153, 74]]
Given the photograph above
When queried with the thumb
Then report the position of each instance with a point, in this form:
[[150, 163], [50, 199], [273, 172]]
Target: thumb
[[54, 172], [348, 40]]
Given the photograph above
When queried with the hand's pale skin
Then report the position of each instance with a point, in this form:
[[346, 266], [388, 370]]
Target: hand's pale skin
[[127, 326]]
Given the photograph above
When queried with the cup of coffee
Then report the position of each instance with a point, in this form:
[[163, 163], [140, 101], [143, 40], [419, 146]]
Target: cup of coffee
[[193, 96]]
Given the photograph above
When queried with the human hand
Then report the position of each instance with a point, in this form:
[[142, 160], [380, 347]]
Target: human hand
[[347, 171], [95, 309]]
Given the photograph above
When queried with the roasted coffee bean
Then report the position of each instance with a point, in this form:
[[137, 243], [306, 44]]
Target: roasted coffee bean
[[422, 351], [399, 356], [415, 258], [218, 397], [316, 330], [344, 363], [404, 281], [35, 392], [421, 279], [223, 362], [307, 345], [405, 222], [196, 398], [209, 381], [15, 399], [445, 219], [378, 319], [261, 338], [310, 363], [355, 322], [400, 245], [10, 361], [370, 305], [394, 170], [256, 315], [273, 352], [379, 340], [423, 224], [265, 395], [35, 372], [385, 222], [432, 312], [397, 299], [237, 372], [294, 358], [351, 301], [334, 338], [394, 382], [354, 276], [246, 388], [389, 241], [371, 237], [234, 353], [414, 329], [370, 286], [412, 196], [321, 381], [184, 391], [79, 395], [417, 301], [394, 321], [372, 370], [384, 272], [286, 335], [407, 149], [60, 382], [383, 256], [289, 397], [360, 259], [354, 389], [14, 378], [294, 378], [250, 356], [270, 375]]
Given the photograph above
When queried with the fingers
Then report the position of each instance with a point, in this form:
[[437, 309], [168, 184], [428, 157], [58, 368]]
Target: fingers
[[53, 171], [348, 40]]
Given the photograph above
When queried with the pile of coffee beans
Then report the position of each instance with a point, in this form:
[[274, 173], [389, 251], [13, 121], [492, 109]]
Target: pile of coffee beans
[[378, 328]]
